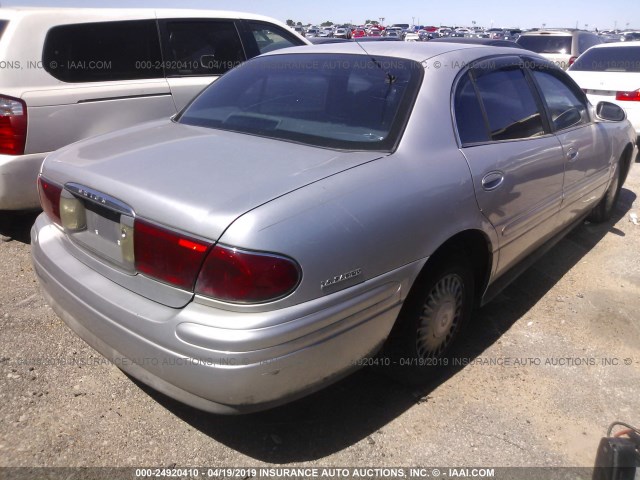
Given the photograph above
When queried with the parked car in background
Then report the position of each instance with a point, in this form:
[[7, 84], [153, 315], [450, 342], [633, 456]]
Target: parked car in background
[[358, 33], [75, 73], [312, 32], [294, 220], [629, 36], [495, 33], [325, 40], [392, 32], [561, 46], [611, 72], [478, 41], [326, 32], [412, 37], [341, 33], [377, 39], [512, 34]]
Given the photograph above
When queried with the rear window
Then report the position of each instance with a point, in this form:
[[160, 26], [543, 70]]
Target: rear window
[[546, 43], [617, 59], [351, 102], [3, 25], [105, 51]]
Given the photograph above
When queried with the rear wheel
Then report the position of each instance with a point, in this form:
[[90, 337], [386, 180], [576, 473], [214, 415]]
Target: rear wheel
[[604, 209], [434, 315]]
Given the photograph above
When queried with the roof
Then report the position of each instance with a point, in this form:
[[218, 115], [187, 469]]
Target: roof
[[126, 13], [555, 31], [418, 51]]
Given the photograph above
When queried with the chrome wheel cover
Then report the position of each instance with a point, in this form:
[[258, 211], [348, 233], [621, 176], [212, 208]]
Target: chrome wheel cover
[[440, 317]]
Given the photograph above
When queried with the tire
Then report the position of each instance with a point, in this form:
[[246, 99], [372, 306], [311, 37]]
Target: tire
[[604, 209], [434, 315]]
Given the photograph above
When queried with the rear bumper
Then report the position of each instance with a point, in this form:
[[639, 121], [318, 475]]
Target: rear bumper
[[18, 187], [183, 354]]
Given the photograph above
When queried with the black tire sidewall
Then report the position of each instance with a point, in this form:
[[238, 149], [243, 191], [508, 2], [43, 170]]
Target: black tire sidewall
[[402, 346]]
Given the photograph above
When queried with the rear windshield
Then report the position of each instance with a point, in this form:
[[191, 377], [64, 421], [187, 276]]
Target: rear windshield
[[546, 43], [617, 59], [350, 102], [3, 25]]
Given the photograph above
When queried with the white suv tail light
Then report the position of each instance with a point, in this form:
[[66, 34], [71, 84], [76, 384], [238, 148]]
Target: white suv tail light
[[13, 125]]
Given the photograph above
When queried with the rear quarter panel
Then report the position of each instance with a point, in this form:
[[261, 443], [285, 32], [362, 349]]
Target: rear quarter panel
[[378, 216]]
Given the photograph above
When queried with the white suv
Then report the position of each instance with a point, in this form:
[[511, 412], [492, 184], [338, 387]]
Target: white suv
[[67, 74]]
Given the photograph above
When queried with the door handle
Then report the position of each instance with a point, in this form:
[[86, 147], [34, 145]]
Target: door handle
[[573, 154], [492, 180]]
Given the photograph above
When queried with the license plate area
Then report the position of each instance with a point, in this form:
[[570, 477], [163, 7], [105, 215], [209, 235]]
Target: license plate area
[[99, 224]]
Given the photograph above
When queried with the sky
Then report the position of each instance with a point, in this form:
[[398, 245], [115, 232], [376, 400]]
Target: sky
[[602, 14]]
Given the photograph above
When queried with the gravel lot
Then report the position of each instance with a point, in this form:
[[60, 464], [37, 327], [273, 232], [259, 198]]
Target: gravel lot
[[551, 362]]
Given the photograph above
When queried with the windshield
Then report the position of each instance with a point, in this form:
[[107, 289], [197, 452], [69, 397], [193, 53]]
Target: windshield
[[546, 43], [350, 102], [616, 59]]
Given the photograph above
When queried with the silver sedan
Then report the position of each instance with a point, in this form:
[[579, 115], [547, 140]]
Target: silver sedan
[[319, 209]]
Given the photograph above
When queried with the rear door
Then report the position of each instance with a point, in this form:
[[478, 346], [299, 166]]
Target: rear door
[[109, 76], [516, 163]]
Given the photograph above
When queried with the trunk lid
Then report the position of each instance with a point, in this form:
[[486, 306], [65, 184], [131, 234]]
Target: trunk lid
[[191, 179], [194, 179]]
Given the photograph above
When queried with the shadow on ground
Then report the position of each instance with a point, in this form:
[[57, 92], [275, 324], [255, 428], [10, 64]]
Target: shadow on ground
[[16, 226], [358, 406]]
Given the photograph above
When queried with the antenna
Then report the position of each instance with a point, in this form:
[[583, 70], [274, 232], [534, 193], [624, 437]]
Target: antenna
[[390, 78]]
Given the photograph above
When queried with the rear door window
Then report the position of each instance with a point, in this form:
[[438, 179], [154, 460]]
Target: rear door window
[[201, 47], [105, 51], [511, 109], [470, 120]]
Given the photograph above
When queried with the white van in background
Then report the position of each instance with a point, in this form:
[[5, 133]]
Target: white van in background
[[67, 74]]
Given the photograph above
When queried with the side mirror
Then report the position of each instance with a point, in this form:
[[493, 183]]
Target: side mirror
[[610, 112]]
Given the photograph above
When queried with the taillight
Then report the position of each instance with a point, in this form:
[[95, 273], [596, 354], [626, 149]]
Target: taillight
[[168, 256], [13, 126], [572, 60], [628, 96], [240, 276], [50, 198]]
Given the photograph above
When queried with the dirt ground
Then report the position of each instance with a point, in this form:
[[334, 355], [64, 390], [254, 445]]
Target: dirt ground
[[543, 371]]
